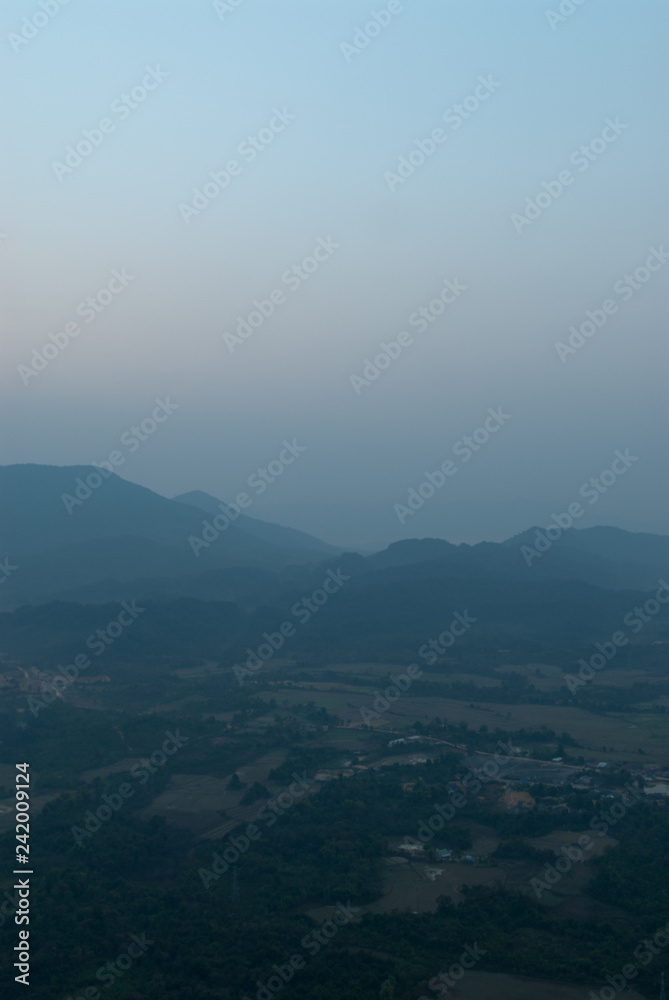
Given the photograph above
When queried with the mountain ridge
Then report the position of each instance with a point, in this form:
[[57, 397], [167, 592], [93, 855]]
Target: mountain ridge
[[76, 534]]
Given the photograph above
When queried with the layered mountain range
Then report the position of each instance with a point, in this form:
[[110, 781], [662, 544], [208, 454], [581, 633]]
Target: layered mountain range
[[72, 534]]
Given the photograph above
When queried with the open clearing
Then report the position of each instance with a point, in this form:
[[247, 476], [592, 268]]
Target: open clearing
[[622, 735], [416, 886], [196, 801]]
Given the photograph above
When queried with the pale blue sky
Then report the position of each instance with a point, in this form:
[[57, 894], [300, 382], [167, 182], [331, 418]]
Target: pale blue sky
[[323, 176]]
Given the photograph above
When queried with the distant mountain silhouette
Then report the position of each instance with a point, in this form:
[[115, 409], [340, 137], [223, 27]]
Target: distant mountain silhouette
[[606, 557], [276, 534], [64, 536], [113, 539]]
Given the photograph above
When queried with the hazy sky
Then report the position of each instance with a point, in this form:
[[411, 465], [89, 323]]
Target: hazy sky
[[329, 120]]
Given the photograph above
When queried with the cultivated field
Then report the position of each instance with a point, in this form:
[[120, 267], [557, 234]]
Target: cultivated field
[[622, 735]]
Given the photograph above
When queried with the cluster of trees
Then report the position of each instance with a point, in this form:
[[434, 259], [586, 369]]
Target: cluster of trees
[[141, 877]]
